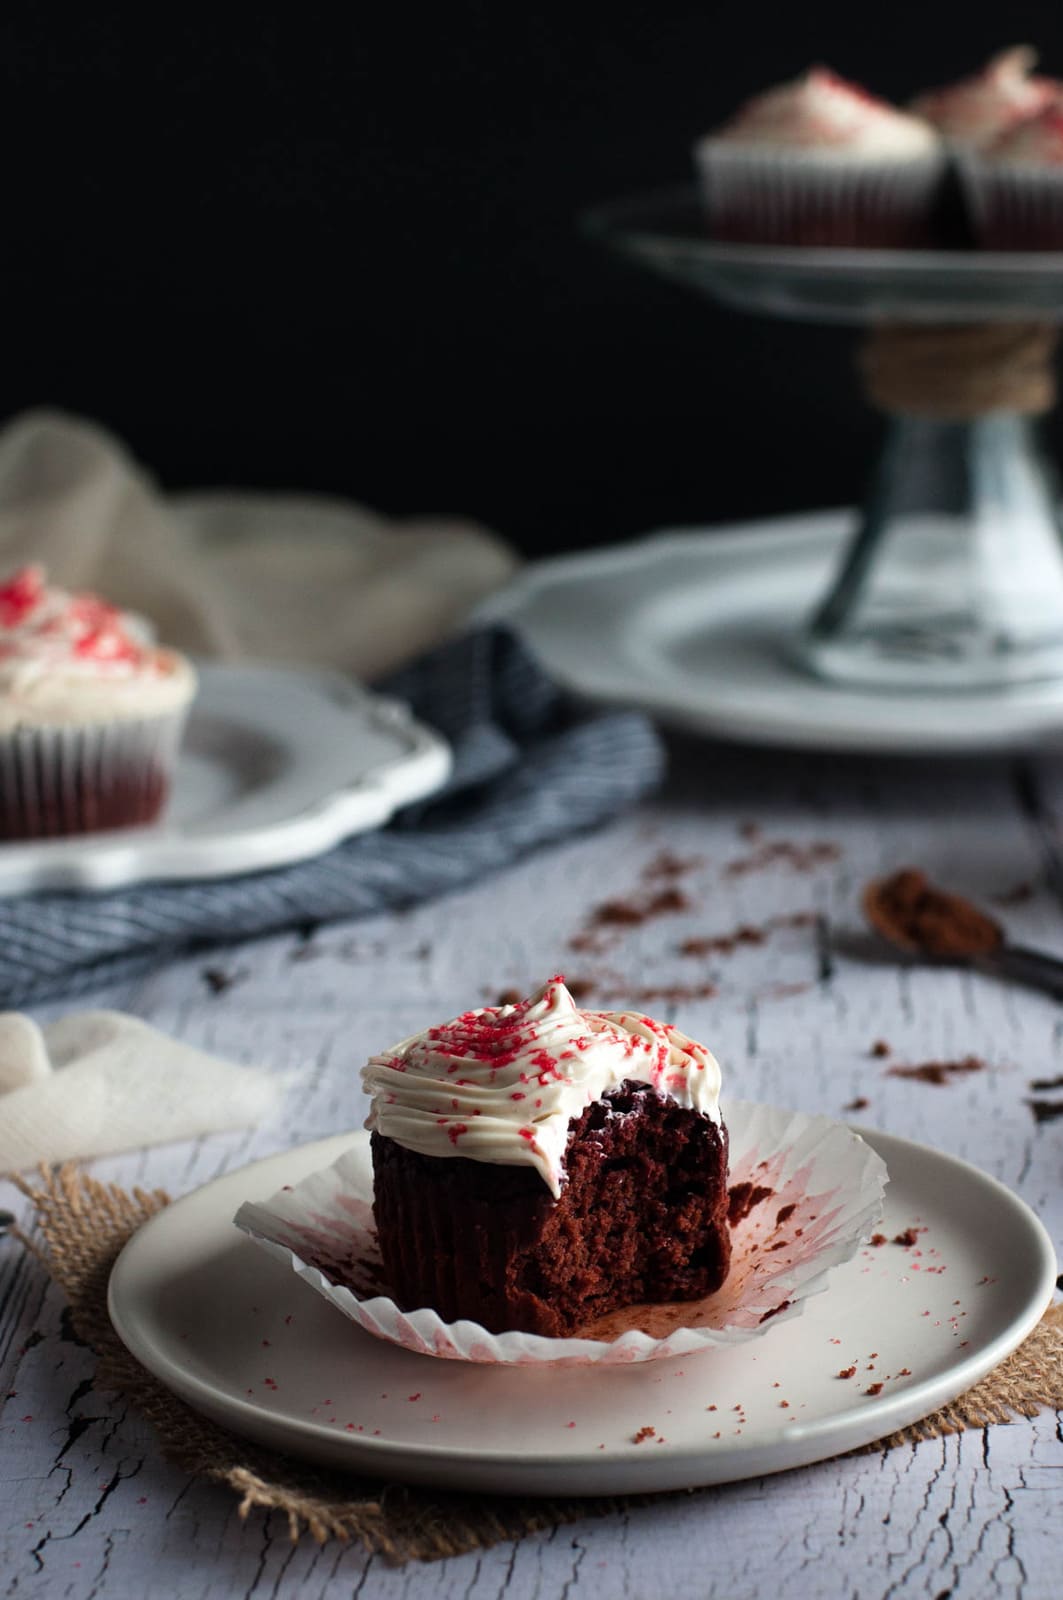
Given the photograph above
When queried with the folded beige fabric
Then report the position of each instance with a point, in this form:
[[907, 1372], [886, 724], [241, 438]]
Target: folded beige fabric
[[231, 574], [99, 1082]]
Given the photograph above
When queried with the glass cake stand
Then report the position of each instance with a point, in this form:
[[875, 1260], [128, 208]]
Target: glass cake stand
[[954, 578]]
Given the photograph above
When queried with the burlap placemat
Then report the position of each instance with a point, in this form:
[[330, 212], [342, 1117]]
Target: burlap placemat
[[83, 1226]]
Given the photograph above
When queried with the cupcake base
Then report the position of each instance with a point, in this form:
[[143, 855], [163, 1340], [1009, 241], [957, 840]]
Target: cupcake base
[[1015, 207], [759, 197], [55, 782], [642, 1219]]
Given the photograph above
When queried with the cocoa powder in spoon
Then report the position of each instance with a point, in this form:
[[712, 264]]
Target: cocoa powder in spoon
[[909, 911]]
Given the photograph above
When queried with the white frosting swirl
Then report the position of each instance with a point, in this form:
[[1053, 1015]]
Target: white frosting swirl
[[502, 1084], [72, 658], [978, 109], [821, 113], [1036, 142]]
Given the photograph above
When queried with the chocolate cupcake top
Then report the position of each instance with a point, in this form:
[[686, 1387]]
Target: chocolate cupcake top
[[501, 1084], [977, 110], [1036, 142], [821, 113], [73, 658]]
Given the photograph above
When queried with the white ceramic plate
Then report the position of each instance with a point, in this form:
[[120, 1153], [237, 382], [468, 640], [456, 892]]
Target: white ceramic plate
[[277, 765], [238, 1337], [699, 627]]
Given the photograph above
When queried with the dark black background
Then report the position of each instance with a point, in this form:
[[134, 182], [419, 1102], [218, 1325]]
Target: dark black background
[[270, 250]]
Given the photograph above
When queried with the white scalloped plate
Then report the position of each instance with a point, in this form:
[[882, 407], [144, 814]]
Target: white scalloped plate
[[237, 1336], [277, 765], [700, 627]]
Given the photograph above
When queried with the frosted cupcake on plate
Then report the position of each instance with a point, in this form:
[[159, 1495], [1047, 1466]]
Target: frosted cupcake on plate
[[973, 113], [820, 162], [1014, 187], [91, 712]]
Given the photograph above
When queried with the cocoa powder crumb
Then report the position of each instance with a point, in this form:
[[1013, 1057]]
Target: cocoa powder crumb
[[937, 1072], [861, 1103], [880, 1049]]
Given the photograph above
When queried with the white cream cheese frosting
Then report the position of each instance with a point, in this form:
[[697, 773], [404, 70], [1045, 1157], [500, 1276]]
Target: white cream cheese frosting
[[501, 1084], [977, 110], [73, 659], [821, 114]]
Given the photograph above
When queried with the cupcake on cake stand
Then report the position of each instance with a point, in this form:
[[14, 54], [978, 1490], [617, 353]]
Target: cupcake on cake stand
[[953, 579]]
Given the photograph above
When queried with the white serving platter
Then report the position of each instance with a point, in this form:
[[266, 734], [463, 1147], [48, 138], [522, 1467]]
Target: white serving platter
[[277, 766], [237, 1336]]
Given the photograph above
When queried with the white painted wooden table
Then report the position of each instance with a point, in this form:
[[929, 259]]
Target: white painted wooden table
[[88, 1507]]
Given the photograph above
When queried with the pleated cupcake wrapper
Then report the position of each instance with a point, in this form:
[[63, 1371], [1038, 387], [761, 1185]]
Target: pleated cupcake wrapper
[[779, 196], [815, 1191], [1013, 205], [74, 779]]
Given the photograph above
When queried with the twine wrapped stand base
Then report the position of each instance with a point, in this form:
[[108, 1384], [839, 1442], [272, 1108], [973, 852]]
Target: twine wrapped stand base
[[84, 1224], [955, 579]]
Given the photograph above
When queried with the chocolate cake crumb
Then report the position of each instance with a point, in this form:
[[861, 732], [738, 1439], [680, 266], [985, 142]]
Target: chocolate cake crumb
[[861, 1103], [218, 980], [877, 1239], [667, 865], [1046, 1110], [848, 1372], [880, 1049], [784, 1213], [1016, 896], [784, 852], [874, 1388], [580, 988], [784, 1305], [905, 1372], [910, 1236], [743, 1198], [644, 1434], [937, 1072], [1046, 1083]]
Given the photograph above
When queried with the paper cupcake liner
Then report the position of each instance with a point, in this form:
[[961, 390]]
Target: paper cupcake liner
[[1014, 207], [811, 1191], [78, 779], [798, 198]]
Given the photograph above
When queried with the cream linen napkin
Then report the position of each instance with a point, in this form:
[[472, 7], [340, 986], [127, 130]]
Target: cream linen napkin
[[228, 574], [98, 1082]]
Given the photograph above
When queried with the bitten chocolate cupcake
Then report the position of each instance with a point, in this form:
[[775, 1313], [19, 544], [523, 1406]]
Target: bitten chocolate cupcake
[[822, 162], [537, 1166], [91, 713]]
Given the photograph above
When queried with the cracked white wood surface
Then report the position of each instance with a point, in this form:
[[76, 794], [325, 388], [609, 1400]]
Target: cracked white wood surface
[[89, 1507]]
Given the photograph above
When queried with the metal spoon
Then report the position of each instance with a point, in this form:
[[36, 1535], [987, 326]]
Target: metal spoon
[[921, 920]]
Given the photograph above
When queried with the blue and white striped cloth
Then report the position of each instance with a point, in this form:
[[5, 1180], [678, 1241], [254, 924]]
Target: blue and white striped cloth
[[530, 768]]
